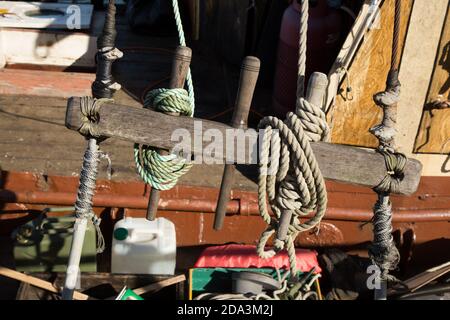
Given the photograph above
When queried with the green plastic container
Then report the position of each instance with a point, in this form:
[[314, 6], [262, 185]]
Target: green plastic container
[[43, 245]]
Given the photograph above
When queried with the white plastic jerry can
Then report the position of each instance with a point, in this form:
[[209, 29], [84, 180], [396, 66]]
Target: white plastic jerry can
[[141, 246]]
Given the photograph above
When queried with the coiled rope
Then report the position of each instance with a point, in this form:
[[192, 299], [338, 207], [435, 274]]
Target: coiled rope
[[163, 171], [293, 184], [159, 171]]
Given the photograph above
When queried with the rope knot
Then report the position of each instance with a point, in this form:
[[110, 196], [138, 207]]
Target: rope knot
[[313, 120], [294, 183], [387, 98], [395, 165], [90, 115], [163, 171], [169, 101]]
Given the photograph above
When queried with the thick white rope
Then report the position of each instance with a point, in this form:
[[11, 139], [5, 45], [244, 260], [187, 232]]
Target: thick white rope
[[294, 186]]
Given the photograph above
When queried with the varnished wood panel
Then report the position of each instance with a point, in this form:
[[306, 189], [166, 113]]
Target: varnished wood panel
[[434, 132], [352, 118]]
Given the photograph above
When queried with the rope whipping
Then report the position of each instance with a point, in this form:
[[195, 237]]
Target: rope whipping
[[290, 180], [89, 169], [163, 171], [383, 251], [104, 85]]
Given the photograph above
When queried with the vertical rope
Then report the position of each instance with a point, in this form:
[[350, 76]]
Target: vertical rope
[[396, 38], [179, 23], [383, 251], [303, 32]]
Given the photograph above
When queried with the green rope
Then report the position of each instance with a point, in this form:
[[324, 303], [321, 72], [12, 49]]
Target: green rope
[[163, 171], [160, 171], [169, 100], [190, 85]]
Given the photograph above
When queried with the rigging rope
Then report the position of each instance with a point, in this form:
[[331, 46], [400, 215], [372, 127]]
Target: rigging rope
[[163, 171], [294, 187], [383, 251]]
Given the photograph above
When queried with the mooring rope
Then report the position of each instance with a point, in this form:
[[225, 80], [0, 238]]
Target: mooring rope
[[163, 171], [294, 186]]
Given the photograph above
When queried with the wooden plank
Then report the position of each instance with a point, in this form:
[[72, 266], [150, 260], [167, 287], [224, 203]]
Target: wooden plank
[[366, 17], [160, 284], [45, 83], [434, 132], [38, 282], [434, 165], [417, 66], [351, 119], [156, 129]]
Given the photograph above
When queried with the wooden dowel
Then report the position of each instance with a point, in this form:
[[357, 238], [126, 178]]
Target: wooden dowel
[[317, 87], [180, 68], [247, 83]]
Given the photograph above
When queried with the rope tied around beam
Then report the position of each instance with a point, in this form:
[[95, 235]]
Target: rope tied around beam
[[383, 251], [294, 187], [90, 116], [295, 182], [163, 171], [395, 165]]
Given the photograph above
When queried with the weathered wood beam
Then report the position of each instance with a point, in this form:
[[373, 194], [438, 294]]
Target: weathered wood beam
[[337, 162]]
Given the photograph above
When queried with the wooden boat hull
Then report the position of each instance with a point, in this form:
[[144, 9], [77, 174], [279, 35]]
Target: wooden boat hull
[[420, 221]]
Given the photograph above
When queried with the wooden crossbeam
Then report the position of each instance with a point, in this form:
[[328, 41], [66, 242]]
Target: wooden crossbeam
[[337, 162]]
